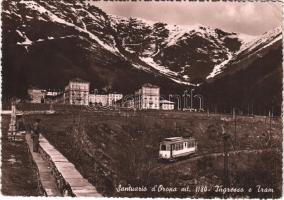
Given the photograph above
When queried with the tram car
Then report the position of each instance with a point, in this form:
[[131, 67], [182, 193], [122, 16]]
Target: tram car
[[176, 147]]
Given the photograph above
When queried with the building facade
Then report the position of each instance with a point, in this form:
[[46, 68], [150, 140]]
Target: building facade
[[167, 105], [113, 97], [77, 92], [36, 95], [147, 97], [98, 99], [104, 99], [52, 96]]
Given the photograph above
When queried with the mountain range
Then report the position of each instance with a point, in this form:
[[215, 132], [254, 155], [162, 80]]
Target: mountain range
[[46, 43]]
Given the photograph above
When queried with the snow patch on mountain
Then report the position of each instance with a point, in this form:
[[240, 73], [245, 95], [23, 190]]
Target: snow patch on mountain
[[177, 32], [160, 68], [265, 38], [218, 68], [54, 18], [26, 41], [254, 45], [246, 38]]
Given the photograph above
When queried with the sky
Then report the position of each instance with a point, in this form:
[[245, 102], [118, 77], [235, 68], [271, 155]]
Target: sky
[[253, 18]]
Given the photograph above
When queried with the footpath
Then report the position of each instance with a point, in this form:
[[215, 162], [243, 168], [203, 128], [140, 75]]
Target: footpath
[[58, 176]]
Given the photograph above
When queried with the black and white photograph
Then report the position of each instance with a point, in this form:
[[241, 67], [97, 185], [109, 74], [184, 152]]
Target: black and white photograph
[[145, 99]]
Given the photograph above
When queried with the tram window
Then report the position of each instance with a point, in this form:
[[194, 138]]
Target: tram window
[[163, 147], [185, 144], [192, 143]]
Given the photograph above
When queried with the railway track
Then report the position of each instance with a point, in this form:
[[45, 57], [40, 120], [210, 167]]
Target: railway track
[[208, 155]]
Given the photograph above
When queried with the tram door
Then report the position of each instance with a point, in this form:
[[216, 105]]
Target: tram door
[[172, 148]]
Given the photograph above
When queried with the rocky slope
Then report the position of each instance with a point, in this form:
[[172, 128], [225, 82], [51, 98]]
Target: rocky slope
[[249, 52], [187, 53], [251, 80]]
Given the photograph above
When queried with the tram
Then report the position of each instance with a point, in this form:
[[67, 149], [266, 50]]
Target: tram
[[175, 147]]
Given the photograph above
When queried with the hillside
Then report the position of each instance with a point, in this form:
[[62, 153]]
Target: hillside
[[252, 80], [121, 148]]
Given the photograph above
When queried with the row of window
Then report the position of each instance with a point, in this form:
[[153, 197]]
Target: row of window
[[151, 91], [79, 102], [79, 92], [151, 106], [178, 146], [79, 95], [151, 98]]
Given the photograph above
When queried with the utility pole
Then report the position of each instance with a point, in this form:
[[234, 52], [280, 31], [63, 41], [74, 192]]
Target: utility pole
[[270, 115]]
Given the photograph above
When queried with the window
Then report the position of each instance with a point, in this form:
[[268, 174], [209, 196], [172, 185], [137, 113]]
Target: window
[[168, 148], [163, 147], [176, 147]]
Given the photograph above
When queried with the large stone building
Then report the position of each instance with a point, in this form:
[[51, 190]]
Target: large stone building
[[147, 97], [36, 95], [104, 99], [77, 92]]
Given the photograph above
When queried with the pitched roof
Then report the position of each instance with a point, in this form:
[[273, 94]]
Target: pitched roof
[[173, 140], [167, 102], [78, 80], [150, 85]]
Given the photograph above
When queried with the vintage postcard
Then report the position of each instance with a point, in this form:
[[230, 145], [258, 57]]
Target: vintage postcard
[[147, 99]]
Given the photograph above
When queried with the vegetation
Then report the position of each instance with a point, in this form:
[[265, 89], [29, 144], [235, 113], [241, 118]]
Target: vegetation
[[121, 149]]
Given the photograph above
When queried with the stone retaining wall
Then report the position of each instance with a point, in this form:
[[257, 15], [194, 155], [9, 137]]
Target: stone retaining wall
[[62, 185], [69, 181]]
